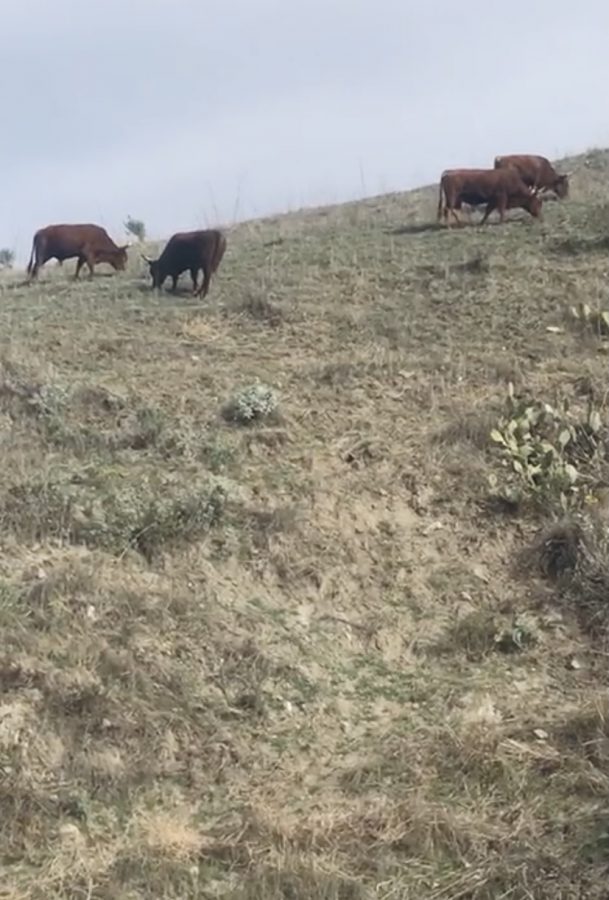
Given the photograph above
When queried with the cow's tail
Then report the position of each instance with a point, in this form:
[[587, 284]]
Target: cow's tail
[[441, 198], [30, 265], [219, 251]]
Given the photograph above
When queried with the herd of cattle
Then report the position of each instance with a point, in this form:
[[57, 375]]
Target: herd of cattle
[[514, 182], [91, 244]]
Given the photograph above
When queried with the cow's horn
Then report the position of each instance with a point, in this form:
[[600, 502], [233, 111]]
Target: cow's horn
[[146, 258]]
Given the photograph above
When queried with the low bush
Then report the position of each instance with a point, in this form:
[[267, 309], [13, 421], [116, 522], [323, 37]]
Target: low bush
[[252, 403], [97, 508]]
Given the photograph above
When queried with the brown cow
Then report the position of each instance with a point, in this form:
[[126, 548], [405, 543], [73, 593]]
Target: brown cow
[[500, 189], [192, 250], [90, 243], [537, 172]]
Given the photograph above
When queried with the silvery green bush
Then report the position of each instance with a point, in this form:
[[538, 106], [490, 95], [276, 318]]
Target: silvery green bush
[[256, 401]]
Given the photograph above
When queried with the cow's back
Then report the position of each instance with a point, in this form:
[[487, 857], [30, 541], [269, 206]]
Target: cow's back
[[530, 166], [521, 159], [181, 251], [481, 183], [186, 249], [74, 237]]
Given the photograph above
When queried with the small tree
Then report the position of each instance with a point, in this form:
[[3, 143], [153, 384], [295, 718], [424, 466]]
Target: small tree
[[7, 257], [136, 227]]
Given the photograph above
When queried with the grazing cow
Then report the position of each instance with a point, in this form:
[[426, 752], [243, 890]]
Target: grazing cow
[[499, 189], [192, 250], [537, 172], [90, 243]]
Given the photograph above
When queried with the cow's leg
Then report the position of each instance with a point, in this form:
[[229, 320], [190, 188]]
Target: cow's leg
[[37, 257], [174, 283], [39, 260], [490, 206], [87, 256], [202, 292], [440, 203], [501, 206], [449, 206], [194, 274], [452, 211], [79, 264], [35, 268]]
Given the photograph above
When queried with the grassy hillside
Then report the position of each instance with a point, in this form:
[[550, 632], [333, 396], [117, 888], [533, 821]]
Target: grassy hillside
[[335, 653]]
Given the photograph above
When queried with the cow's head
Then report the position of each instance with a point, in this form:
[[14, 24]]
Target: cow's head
[[533, 202], [119, 258], [155, 270], [561, 186]]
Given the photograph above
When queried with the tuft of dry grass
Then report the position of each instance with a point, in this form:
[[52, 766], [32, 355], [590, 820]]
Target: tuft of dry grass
[[306, 658]]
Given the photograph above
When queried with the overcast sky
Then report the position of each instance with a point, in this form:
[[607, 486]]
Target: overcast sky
[[187, 113]]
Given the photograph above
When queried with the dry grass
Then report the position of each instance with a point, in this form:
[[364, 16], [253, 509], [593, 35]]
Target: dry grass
[[302, 658]]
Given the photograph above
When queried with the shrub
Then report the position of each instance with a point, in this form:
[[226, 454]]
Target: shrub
[[575, 555], [95, 507], [482, 632], [558, 549], [520, 634], [588, 591], [142, 429], [257, 401], [7, 257], [136, 227]]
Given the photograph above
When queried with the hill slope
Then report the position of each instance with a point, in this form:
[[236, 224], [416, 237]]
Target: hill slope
[[303, 657]]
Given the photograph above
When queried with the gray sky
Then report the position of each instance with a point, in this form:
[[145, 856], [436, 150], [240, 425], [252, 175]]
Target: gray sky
[[188, 113]]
